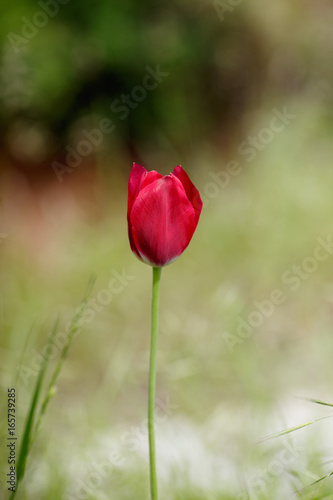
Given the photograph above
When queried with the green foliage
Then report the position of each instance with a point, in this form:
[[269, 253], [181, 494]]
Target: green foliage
[[35, 414], [91, 53]]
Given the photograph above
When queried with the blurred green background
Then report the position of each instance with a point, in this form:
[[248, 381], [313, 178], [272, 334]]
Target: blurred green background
[[240, 94]]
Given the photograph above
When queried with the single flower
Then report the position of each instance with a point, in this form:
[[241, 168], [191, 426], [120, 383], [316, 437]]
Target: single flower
[[163, 213]]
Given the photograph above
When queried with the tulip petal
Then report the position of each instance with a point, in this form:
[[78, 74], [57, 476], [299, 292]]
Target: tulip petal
[[162, 221], [149, 178], [139, 178], [191, 191], [134, 182]]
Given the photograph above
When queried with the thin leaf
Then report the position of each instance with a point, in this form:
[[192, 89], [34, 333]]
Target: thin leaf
[[26, 440], [321, 479], [30, 431], [23, 352], [74, 325], [317, 401], [317, 481], [292, 429]]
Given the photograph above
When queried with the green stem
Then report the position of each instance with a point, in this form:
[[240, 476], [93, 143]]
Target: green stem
[[152, 379]]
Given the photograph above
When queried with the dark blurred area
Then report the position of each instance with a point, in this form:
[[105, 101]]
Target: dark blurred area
[[99, 84], [88, 55]]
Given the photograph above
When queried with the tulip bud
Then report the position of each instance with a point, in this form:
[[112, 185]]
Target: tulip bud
[[163, 213]]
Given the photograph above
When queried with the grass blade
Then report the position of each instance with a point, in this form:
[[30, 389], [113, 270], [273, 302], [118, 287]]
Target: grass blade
[[317, 401], [18, 375], [31, 431], [28, 429], [72, 329], [319, 482], [292, 429], [321, 479]]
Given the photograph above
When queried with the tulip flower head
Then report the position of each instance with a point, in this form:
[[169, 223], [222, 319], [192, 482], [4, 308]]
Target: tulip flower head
[[163, 213]]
